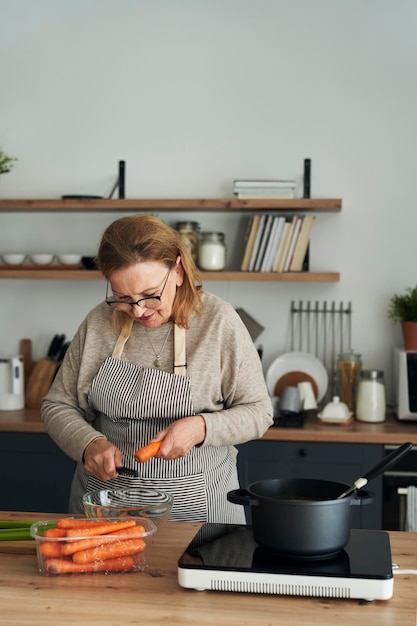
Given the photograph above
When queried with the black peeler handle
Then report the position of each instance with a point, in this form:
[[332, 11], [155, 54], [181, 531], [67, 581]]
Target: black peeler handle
[[126, 471]]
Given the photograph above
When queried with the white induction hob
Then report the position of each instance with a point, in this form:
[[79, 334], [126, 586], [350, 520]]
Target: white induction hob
[[225, 557]]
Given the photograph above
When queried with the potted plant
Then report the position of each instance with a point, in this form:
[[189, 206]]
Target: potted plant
[[402, 309], [6, 162]]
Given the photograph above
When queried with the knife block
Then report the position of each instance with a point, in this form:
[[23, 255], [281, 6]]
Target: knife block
[[39, 382]]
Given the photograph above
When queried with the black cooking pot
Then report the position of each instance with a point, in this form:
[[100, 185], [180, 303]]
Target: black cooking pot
[[300, 518]]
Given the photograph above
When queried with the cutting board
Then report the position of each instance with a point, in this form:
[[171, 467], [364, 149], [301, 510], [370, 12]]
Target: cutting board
[[40, 380], [26, 354]]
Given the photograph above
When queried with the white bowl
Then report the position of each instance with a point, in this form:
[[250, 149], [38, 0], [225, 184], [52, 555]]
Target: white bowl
[[14, 259], [69, 259], [41, 259]]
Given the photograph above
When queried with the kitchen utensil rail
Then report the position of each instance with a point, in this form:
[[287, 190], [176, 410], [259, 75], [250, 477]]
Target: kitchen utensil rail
[[324, 330]]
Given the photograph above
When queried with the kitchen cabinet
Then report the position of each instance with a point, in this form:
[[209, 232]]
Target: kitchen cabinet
[[339, 462], [38, 473], [221, 205]]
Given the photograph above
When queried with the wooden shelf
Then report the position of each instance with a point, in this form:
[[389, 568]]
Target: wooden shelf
[[168, 204], [58, 273], [51, 205]]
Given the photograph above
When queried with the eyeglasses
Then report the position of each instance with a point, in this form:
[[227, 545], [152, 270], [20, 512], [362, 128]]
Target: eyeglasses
[[151, 302]]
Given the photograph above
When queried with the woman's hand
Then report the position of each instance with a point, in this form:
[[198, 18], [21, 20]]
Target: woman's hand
[[101, 459], [180, 437]]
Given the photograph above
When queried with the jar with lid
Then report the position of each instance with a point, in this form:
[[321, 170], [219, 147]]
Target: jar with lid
[[370, 403], [349, 365], [190, 234], [212, 252]]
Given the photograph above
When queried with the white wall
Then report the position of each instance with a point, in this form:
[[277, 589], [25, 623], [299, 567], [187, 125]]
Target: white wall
[[192, 94]]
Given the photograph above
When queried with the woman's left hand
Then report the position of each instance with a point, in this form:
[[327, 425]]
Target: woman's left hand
[[180, 437]]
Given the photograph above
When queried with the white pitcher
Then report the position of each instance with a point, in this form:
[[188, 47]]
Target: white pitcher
[[12, 388]]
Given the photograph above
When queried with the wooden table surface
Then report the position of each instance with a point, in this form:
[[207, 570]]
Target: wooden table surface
[[154, 597]]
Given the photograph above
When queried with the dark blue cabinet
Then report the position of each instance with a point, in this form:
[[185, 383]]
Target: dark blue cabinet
[[36, 473]]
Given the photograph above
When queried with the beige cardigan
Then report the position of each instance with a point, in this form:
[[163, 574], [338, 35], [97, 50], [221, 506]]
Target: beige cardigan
[[227, 383]]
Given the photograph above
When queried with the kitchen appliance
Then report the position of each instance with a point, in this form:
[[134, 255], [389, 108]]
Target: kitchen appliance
[[395, 484], [12, 389], [225, 557], [405, 384]]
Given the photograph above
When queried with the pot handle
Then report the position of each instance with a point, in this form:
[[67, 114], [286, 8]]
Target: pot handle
[[363, 497], [242, 496]]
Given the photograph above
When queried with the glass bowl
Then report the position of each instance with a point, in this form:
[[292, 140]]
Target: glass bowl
[[81, 545], [141, 501]]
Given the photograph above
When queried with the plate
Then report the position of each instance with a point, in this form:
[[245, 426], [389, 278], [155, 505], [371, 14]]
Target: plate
[[294, 367]]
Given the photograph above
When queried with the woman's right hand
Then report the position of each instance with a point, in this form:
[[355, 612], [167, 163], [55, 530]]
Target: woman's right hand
[[102, 458]]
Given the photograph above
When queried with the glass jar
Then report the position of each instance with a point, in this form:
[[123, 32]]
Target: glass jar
[[212, 252], [349, 365], [370, 402], [190, 234]]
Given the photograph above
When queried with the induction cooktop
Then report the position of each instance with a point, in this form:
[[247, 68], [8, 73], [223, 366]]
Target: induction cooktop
[[225, 557]]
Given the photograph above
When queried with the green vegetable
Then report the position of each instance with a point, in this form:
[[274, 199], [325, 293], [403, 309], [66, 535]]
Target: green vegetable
[[15, 534], [4, 523]]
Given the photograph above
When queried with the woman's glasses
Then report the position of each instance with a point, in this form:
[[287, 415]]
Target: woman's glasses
[[150, 302]]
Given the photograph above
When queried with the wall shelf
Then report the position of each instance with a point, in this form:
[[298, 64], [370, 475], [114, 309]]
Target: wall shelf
[[169, 204], [221, 205]]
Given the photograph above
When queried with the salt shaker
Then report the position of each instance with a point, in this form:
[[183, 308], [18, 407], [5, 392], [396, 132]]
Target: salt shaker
[[370, 404]]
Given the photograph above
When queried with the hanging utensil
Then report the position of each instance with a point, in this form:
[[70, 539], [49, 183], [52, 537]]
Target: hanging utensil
[[383, 465]]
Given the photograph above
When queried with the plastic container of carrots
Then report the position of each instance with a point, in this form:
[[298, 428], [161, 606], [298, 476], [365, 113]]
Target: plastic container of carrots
[[80, 545]]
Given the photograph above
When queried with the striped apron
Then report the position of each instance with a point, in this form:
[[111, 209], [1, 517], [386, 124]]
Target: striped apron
[[133, 403]]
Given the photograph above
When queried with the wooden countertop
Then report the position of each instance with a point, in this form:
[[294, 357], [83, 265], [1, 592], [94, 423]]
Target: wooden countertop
[[155, 597], [392, 431]]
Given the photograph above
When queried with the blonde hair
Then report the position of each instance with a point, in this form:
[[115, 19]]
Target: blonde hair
[[136, 238]]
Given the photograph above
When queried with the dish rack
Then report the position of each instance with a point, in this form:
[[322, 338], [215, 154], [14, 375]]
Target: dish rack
[[325, 330]]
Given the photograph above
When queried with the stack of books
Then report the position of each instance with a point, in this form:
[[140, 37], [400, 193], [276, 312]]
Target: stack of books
[[277, 243], [258, 189]]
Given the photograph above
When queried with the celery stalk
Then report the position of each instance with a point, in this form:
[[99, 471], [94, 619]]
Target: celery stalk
[[15, 534], [4, 523]]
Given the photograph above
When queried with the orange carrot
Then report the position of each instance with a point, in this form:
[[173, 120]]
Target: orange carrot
[[50, 549], [77, 545], [54, 532], [111, 550], [102, 528], [65, 566], [68, 523], [147, 452]]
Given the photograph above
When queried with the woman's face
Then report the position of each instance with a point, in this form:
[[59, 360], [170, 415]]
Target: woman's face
[[143, 280]]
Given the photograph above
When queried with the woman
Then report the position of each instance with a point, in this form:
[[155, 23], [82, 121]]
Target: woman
[[159, 359]]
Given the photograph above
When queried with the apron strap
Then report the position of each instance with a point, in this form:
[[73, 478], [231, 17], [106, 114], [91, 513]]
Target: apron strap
[[121, 340], [180, 361]]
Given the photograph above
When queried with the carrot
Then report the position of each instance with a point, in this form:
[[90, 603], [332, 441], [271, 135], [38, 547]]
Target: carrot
[[53, 532], [66, 566], [50, 549], [68, 523], [77, 545], [111, 550], [101, 528], [147, 452]]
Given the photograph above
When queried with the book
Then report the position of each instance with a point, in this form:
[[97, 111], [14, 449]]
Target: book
[[263, 242], [279, 259], [276, 231], [265, 194], [258, 236], [250, 240], [293, 240], [300, 250], [240, 184]]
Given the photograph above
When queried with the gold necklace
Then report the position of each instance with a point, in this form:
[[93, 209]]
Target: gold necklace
[[158, 355]]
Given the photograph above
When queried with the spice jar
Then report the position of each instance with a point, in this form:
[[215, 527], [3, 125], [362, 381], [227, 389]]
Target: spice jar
[[349, 366], [212, 252], [190, 232], [370, 403]]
